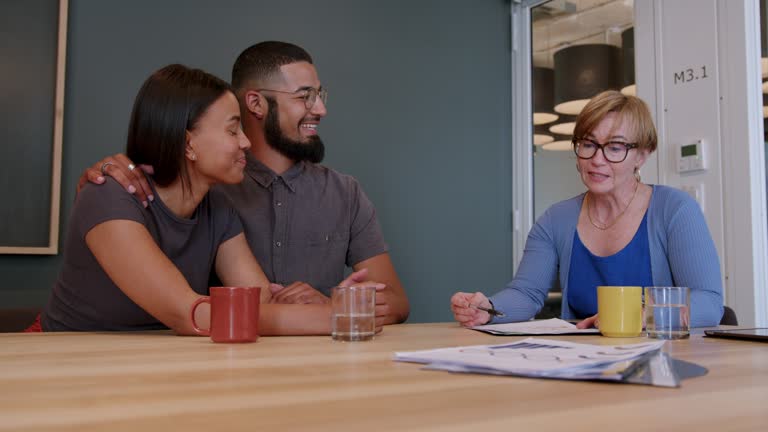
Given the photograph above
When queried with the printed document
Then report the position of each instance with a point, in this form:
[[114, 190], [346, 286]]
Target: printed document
[[554, 326], [539, 358]]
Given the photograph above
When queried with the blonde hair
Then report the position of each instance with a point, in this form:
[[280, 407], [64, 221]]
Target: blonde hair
[[630, 110]]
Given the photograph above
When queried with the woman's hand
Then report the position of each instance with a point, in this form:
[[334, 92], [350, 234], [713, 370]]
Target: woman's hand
[[590, 322], [464, 312]]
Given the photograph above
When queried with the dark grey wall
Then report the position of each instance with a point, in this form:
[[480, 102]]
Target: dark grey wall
[[419, 112], [29, 35]]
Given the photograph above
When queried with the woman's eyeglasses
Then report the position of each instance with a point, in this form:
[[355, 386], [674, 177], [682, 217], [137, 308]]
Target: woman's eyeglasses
[[613, 151]]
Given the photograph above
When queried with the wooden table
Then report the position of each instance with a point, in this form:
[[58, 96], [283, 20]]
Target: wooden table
[[157, 381]]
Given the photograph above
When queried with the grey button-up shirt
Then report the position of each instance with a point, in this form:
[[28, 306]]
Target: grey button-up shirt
[[307, 224]]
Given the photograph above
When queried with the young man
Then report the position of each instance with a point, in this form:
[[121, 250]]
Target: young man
[[304, 222]]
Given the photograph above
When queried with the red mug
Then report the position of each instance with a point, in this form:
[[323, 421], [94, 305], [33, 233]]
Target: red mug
[[234, 314]]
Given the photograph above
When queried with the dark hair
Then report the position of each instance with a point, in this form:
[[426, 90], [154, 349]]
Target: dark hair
[[263, 60], [170, 102]]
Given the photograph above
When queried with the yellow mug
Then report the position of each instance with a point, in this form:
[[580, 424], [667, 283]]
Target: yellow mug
[[620, 310]]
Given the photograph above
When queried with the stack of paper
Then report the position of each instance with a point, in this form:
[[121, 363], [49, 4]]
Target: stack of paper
[[546, 359], [554, 326]]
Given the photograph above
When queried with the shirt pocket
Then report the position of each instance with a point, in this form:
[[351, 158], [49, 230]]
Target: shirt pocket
[[327, 254], [327, 239]]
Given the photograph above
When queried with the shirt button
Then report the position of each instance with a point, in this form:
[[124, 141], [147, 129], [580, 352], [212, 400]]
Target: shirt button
[[278, 244], [279, 203]]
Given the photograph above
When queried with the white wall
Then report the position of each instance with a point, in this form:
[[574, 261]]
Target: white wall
[[698, 68]]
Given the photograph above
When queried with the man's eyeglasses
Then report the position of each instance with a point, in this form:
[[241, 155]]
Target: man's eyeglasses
[[613, 151], [309, 94]]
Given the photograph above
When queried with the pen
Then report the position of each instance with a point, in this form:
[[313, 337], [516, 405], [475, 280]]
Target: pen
[[491, 311]]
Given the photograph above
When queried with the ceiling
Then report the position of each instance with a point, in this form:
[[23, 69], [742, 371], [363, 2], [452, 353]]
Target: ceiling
[[559, 23]]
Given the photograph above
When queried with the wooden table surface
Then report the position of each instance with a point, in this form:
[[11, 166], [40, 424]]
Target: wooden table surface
[[156, 381]]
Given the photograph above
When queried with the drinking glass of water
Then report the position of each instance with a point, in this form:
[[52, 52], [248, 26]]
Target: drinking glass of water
[[354, 310], [668, 312]]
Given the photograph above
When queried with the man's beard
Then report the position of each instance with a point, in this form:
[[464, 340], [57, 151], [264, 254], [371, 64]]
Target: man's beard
[[313, 150]]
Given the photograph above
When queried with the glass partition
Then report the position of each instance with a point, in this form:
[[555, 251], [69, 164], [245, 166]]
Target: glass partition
[[578, 48]]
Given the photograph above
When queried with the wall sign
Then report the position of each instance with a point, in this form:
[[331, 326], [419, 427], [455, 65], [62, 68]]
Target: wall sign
[[690, 74]]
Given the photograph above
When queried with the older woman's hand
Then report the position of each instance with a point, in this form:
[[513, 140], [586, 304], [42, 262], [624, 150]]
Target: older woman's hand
[[464, 312], [590, 322]]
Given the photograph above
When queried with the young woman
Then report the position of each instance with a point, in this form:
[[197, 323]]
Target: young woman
[[127, 267]]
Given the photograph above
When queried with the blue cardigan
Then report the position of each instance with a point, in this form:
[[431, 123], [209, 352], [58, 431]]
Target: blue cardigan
[[681, 248]]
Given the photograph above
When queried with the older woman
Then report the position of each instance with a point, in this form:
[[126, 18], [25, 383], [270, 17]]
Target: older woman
[[620, 232]]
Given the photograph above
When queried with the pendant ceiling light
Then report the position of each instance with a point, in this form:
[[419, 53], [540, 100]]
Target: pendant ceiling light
[[628, 62], [581, 72], [563, 144], [765, 130], [543, 96], [565, 126], [765, 105], [560, 143], [763, 48], [763, 43], [541, 135]]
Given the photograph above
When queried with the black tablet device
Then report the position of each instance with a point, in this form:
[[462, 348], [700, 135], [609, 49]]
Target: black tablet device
[[758, 334]]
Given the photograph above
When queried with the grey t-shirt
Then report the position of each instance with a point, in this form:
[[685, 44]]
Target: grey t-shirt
[[307, 224], [84, 298]]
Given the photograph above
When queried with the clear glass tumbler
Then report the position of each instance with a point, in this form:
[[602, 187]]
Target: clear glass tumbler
[[354, 310], [668, 312]]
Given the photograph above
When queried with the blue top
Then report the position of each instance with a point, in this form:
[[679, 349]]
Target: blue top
[[630, 266], [682, 253]]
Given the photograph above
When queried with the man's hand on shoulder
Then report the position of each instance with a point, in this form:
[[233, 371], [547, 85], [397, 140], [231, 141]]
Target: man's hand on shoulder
[[120, 168], [297, 293]]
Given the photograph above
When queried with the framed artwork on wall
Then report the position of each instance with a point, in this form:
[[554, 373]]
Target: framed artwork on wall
[[34, 35]]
